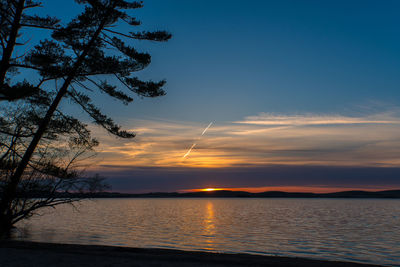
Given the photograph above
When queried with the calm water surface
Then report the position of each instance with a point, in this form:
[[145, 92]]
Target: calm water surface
[[362, 230]]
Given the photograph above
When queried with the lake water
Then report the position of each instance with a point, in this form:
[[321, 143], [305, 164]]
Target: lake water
[[360, 230]]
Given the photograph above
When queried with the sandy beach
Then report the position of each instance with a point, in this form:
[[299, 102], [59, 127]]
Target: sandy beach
[[19, 254]]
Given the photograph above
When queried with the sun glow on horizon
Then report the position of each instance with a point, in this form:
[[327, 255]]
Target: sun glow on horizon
[[210, 189], [297, 189]]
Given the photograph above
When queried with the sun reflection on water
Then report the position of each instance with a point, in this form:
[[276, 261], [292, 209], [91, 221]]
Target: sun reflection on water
[[209, 226]]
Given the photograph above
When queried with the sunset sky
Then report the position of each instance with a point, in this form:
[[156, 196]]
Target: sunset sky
[[302, 96]]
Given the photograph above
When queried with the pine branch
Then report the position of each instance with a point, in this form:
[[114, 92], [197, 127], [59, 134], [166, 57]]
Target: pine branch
[[37, 26]]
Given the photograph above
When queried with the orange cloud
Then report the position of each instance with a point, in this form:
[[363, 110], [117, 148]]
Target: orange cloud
[[259, 141]]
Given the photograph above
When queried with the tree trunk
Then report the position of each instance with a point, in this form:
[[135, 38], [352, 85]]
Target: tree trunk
[[7, 53], [5, 226], [10, 189]]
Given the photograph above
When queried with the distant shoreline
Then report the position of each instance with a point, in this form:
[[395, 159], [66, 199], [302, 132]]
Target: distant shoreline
[[387, 194], [21, 253]]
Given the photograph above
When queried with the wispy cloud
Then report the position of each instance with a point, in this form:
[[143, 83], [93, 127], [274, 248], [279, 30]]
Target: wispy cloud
[[310, 119], [262, 140]]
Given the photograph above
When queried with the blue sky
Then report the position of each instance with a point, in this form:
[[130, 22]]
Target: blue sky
[[297, 83], [241, 58]]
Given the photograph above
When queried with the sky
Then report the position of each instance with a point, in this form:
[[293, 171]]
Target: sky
[[301, 96]]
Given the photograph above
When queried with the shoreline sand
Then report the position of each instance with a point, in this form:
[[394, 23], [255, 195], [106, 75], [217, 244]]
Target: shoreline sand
[[22, 253]]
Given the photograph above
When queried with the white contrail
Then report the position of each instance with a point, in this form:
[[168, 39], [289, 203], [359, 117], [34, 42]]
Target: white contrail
[[205, 130], [194, 144], [190, 149]]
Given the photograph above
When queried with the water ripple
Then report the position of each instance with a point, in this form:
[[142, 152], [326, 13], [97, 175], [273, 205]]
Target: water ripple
[[360, 230]]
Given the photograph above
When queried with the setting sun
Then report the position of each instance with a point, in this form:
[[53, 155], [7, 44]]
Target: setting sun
[[210, 189]]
